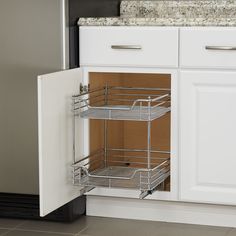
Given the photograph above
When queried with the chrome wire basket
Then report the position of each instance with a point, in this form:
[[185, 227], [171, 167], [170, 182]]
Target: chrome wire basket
[[123, 103], [122, 168]]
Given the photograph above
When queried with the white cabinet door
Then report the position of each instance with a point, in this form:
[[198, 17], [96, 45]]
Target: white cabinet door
[[208, 137], [55, 127]]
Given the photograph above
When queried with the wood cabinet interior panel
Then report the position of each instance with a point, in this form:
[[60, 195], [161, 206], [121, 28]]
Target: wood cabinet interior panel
[[130, 134]]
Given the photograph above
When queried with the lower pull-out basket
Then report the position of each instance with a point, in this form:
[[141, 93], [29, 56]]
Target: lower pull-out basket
[[123, 168]]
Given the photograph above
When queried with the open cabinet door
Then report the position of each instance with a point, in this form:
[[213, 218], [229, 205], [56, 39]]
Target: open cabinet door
[[55, 127]]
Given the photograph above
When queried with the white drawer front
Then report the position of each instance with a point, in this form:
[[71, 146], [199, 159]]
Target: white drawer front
[[208, 47], [129, 46]]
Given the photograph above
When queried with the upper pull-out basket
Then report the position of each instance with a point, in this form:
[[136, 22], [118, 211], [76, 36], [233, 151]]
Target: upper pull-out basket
[[123, 103]]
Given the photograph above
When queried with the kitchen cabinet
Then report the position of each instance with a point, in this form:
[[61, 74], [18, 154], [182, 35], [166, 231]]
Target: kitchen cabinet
[[129, 133], [69, 142], [207, 129], [207, 114], [101, 118]]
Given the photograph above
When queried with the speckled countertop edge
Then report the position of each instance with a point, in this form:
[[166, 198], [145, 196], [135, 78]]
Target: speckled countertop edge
[[125, 21]]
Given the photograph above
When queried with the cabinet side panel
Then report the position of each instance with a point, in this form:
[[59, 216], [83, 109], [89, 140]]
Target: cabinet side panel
[[55, 119]]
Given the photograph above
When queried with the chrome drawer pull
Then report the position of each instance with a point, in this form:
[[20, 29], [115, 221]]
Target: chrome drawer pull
[[224, 48], [132, 47]]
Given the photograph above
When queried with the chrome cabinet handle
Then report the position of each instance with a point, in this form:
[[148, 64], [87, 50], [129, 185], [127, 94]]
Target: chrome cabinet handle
[[223, 48], [132, 47]]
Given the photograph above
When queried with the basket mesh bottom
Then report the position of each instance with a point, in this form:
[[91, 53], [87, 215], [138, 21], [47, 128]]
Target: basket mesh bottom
[[135, 114], [138, 181]]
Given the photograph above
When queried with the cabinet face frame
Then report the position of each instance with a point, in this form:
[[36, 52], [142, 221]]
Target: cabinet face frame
[[126, 193]]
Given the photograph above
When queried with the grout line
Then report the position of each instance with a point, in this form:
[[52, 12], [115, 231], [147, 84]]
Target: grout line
[[5, 233], [82, 235], [81, 231], [20, 224], [13, 228]]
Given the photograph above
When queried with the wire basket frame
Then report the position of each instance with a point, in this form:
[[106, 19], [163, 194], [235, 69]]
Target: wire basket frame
[[123, 168], [123, 103]]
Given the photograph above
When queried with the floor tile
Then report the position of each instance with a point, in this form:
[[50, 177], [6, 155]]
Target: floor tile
[[168, 229], [101, 226], [117, 227], [232, 232], [3, 231], [72, 228], [10, 223], [32, 233]]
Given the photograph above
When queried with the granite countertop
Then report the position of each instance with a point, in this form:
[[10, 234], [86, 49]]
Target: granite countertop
[[120, 21], [170, 13]]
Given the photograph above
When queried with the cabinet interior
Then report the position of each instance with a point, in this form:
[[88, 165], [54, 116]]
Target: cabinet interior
[[124, 141]]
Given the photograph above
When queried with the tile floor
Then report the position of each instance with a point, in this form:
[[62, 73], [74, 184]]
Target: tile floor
[[97, 226]]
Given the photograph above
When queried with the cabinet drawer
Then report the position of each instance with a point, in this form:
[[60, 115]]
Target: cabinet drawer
[[129, 46], [208, 47]]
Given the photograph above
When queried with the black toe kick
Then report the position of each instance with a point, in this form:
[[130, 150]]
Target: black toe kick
[[24, 206]]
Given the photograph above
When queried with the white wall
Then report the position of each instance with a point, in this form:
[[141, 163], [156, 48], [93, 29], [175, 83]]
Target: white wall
[[29, 45]]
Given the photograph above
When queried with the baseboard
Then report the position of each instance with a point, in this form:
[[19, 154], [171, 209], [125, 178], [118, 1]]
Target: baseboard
[[25, 206], [177, 212]]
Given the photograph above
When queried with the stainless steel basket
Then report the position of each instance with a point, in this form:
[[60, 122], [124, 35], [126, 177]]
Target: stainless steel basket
[[123, 103], [122, 168]]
